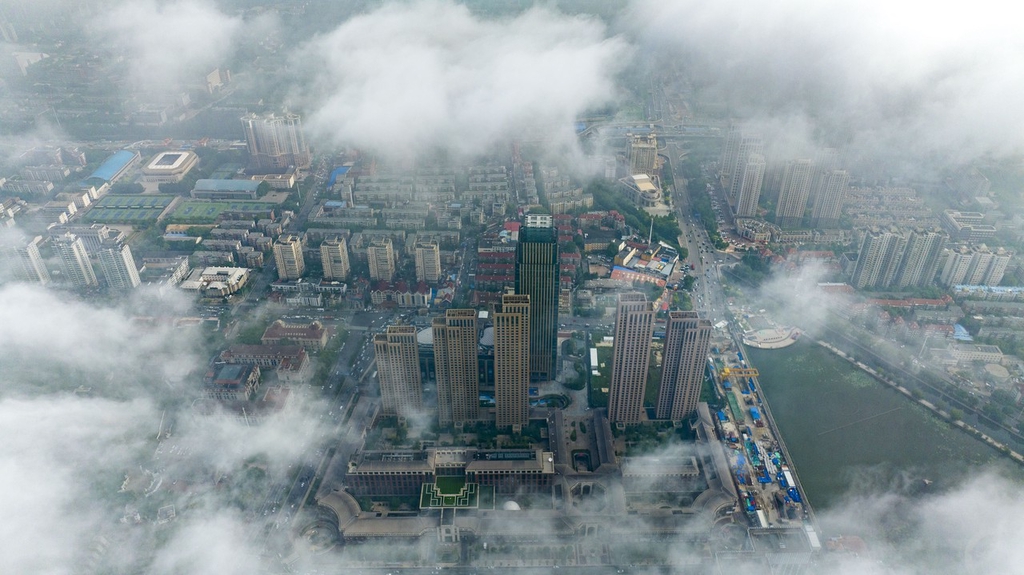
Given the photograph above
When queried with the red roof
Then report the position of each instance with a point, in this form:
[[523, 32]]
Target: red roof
[[512, 226]]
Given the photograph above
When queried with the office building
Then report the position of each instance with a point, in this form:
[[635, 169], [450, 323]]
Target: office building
[[23, 261], [275, 142], [828, 203], [631, 355], [879, 258], [687, 339], [118, 267], [536, 272], [428, 262], [291, 264], [334, 258], [641, 153], [794, 191], [920, 258], [398, 369], [512, 361], [456, 367], [75, 266], [750, 186], [381, 255]]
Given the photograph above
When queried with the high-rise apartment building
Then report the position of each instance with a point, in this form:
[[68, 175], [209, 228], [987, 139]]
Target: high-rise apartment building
[[641, 153], [537, 276], [118, 266], [631, 356], [275, 141], [291, 264], [24, 262], [456, 366], [398, 369], [881, 252], [381, 255], [428, 262], [825, 161], [920, 258], [976, 265], [334, 258], [794, 191], [512, 361], [75, 266], [750, 186], [828, 203], [687, 339], [748, 145]]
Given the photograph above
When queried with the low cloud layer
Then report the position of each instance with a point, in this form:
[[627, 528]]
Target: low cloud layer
[[877, 77], [415, 77]]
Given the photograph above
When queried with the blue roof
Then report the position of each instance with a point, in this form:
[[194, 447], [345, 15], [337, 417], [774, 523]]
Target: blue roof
[[114, 164], [227, 185], [337, 172]]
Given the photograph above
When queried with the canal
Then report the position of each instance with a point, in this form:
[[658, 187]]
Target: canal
[[851, 435]]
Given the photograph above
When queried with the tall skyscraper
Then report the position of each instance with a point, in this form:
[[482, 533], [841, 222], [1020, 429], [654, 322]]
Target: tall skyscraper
[[920, 258], [828, 204], [275, 141], [381, 255], [825, 162], [730, 151], [428, 262], [750, 186], [455, 364], [631, 356], [512, 361], [879, 258], [334, 258], [687, 339], [748, 145], [23, 261], [118, 267], [74, 261], [398, 368], [537, 276], [642, 153], [793, 193], [291, 265]]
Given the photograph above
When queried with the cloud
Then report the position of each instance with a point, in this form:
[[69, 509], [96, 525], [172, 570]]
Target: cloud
[[169, 45], [878, 77], [412, 77]]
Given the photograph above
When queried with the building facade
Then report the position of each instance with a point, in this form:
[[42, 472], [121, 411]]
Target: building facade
[[794, 191], [275, 141], [75, 266], [428, 262], [334, 258], [381, 256], [828, 202], [398, 369], [631, 355], [536, 272], [118, 266], [641, 153], [25, 262], [291, 265], [750, 186], [687, 339], [512, 361], [455, 365]]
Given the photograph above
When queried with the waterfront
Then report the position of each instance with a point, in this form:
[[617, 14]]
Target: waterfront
[[851, 435]]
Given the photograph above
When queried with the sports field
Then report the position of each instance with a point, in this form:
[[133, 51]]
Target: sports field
[[196, 212], [128, 209]]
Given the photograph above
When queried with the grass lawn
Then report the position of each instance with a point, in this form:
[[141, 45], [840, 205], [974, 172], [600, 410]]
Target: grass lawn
[[450, 485]]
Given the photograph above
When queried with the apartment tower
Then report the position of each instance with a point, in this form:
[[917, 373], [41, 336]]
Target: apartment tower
[[288, 257], [828, 204], [25, 262], [381, 255], [750, 186], [456, 367], [631, 354], [74, 261], [275, 142], [334, 258], [512, 361], [428, 262], [687, 339], [794, 191], [118, 266], [398, 368]]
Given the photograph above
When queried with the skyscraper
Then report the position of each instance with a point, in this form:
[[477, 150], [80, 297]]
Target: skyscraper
[[275, 142], [793, 193], [828, 204], [118, 267], [920, 258], [879, 258], [428, 262], [825, 161], [398, 368], [334, 258], [537, 276], [750, 186], [381, 255], [74, 261], [748, 145], [512, 361], [631, 356], [456, 367], [291, 265], [641, 153], [24, 261], [687, 339]]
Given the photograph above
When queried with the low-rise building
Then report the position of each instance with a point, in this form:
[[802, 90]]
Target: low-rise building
[[311, 336], [231, 382]]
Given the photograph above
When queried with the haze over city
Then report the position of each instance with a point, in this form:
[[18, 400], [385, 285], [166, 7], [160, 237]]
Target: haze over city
[[383, 287]]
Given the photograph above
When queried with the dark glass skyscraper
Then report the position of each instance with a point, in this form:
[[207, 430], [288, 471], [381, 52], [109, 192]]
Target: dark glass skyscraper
[[537, 277]]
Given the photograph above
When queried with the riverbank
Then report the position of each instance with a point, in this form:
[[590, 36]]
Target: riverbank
[[968, 429]]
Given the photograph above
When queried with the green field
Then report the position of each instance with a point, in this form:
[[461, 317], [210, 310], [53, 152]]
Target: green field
[[128, 209], [196, 211]]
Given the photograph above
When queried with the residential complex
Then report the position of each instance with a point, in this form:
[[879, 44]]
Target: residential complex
[[291, 264]]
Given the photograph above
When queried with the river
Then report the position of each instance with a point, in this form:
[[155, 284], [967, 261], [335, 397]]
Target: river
[[851, 435]]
